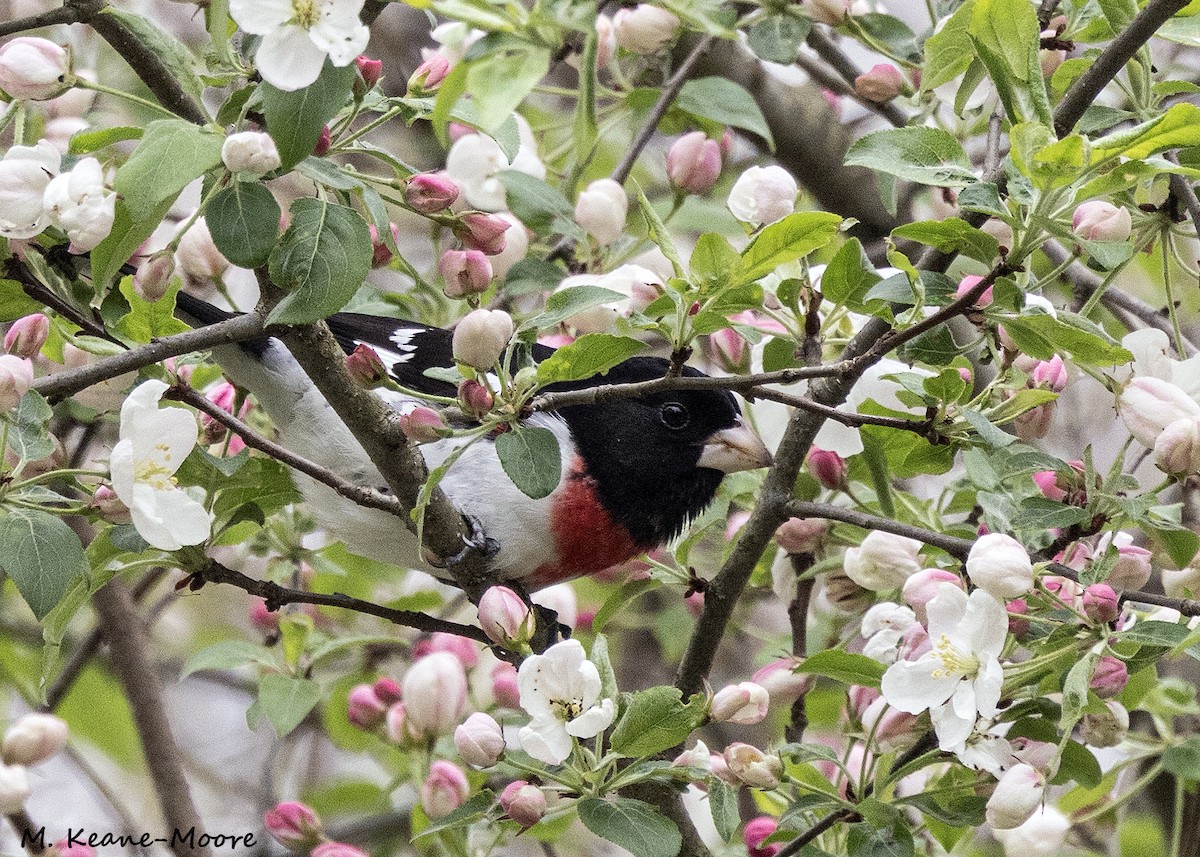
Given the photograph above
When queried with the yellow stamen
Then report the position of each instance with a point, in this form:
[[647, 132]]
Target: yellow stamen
[[954, 660], [308, 12]]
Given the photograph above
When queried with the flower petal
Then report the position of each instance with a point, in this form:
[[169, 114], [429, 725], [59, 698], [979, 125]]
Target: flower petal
[[952, 730], [593, 721], [986, 624], [945, 610], [914, 686], [987, 687], [546, 740], [120, 465], [287, 58], [261, 16]]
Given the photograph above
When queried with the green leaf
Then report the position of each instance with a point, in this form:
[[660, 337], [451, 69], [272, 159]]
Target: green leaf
[[628, 591], [1155, 633], [29, 428], [777, 38], [638, 827], [926, 155], [723, 804], [171, 52], [849, 276], [726, 102], [1005, 34], [714, 262], [1183, 760], [536, 204], [952, 235], [227, 655], [94, 139], [591, 354], [531, 458], [865, 841], [471, 811], [1180, 544], [322, 259], [171, 155], [657, 232], [147, 320], [41, 554], [295, 119], [286, 701], [1075, 690], [1042, 335], [562, 305], [786, 240], [948, 52], [499, 82], [1040, 513], [14, 303], [844, 667], [244, 221], [656, 720], [1177, 128]]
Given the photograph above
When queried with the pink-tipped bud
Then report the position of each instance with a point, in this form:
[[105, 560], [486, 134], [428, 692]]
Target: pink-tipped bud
[[1047, 483], [479, 740], [337, 849], [67, 848], [756, 832], [1051, 374], [435, 694], [440, 641], [381, 253], [480, 231], [323, 142], [1100, 603], [752, 767], [482, 337], [261, 617], [801, 535], [422, 424], [369, 70], [27, 335], [34, 68], [465, 272], [969, 282], [505, 618], [474, 398], [729, 349], [293, 825], [882, 83], [1110, 677], [1177, 449], [781, 681], [1018, 793], [153, 276], [110, 507], [921, 588], [1132, 570], [444, 790], [34, 738], [523, 802], [429, 75], [16, 377], [429, 193], [504, 685], [744, 703], [694, 163], [364, 708], [828, 468], [1018, 626], [387, 690], [1098, 220], [364, 367], [399, 731]]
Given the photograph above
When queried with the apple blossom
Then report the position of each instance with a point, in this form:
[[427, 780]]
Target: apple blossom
[[293, 825], [1018, 793], [561, 599], [440, 641], [1051, 374], [1149, 405], [560, 690], [781, 681], [969, 282], [523, 802], [921, 587], [645, 29], [1098, 220], [601, 209], [828, 468], [479, 740], [435, 694], [198, 256], [830, 12], [398, 729], [365, 367], [109, 506], [505, 618], [756, 832], [481, 231], [1177, 449], [1042, 835], [481, 337], [153, 276], [750, 766], [387, 690], [1100, 603], [694, 163], [34, 69], [999, 564], [370, 70], [1132, 569], [516, 245], [25, 173], [27, 335], [744, 703], [465, 272], [881, 83], [475, 159], [1110, 677], [429, 75], [364, 708], [34, 738], [337, 849], [429, 193], [298, 36], [16, 377], [1105, 728], [444, 790], [883, 561], [504, 685], [421, 424], [801, 535], [763, 195], [252, 153], [474, 397], [153, 443], [883, 626]]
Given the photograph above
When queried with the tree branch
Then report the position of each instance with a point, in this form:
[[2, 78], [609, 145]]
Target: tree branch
[[68, 13], [844, 66], [798, 618]]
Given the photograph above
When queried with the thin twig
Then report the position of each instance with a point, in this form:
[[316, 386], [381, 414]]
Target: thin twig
[[798, 618], [953, 545], [816, 830], [68, 13], [921, 427], [844, 66]]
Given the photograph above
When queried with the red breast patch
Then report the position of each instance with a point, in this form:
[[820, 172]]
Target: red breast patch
[[586, 537]]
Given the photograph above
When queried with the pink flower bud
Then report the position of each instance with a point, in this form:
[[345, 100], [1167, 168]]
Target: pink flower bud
[[33, 68], [763, 195], [1047, 483], [694, 163], [198, 256], [1064, 589], [801, 535], [601, 209], [27, 335], [523, 803], [435, 694], [969, 282], [1110, 677], [882, 83], [110, 507], [1098, 220], [1106, 728], [1100, 603], [444, 790], [16, 377], [1018, 793], [429, 193], [293, 825], [999, 564], [481, 231], [381, 253], [465, 272], [440, 641], [262, 618], [66, 848], [891, 727], [153, 276], [387, 690], [474, 398], [369, 70], [505, 618], [752, 767], [1132, 570], [429, 75], [399, 731], [1177, 449], [250, 152], [781, 682], [1148, 405], [920, 589], [1042, 756], [1035, 422], [479, 741], [34, 738], [1017, 626], [323, 142], [364, 708], [504, 685], [828, 468], [337, 849], [422, 424], [729, 349], [757, 831], [481, 337], [365, 367], [645, 29], [1051, 374], [744, 703]]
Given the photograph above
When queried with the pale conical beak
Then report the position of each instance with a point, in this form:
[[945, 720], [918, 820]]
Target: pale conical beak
[[734, 449]]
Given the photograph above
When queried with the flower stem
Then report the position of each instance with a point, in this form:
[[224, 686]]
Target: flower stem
[[128, 96]]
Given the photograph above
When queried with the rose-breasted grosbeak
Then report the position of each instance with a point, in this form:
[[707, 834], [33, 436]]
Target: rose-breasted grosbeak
[[635, 471]]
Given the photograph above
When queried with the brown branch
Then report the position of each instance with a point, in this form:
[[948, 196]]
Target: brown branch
[[798, 619], [953, 545], [844, 66], [27, 829], [68, 13], [793, 847], [277, 596], [128, 646], [921, 427], [1106, 66], [360, 494]]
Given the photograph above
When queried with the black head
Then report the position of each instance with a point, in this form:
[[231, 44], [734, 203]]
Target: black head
[[658, 459]]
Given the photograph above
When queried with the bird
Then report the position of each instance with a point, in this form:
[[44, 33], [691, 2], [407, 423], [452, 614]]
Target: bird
[[635, 471]]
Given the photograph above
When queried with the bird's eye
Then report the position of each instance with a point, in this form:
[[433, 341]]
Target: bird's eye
[[674, 415]]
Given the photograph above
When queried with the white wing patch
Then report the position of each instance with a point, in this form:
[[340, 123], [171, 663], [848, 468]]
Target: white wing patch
[[402, 338]]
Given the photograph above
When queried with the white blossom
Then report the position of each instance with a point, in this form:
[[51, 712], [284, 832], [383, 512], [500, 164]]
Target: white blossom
[[78, 202], [763, 195], [883, 561], [299, 34], [475, 160], [25, 172], [153, 444], [561, 692]]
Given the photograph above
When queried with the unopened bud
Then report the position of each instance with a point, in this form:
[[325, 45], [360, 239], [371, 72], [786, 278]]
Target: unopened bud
[[1100, 603], [1018, 626], [1018, 793], [1047, 483], [110, 507], [364, 708], [744, 703], [523, 802], [601, 210], [16, 377], [1098, 220], [781, 681], [381, 251], [1177, 449], [27, 335], [694, 163], [1000, 565], [444, 790], [801, 535], [756, 832], [34, 739], [293, 825], [882, 83], [387, 690], [1110, 677], [365, 367], [465, 272], [969, 282], [422, 424], [645, 29], [429, 193], [1148, 405], [323, 142], [337, 849], [479, 740], [429, 75], [250, 152], [369, 70], [482, 337], [505, 618], [153, 276], [752, 767], [504, 685], [922, 587], [474, 398], [198, 256], [481, 231], [831, 12], [828, 468], [1051, 374], [435, 694], [1106, 728], [33, 68]]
